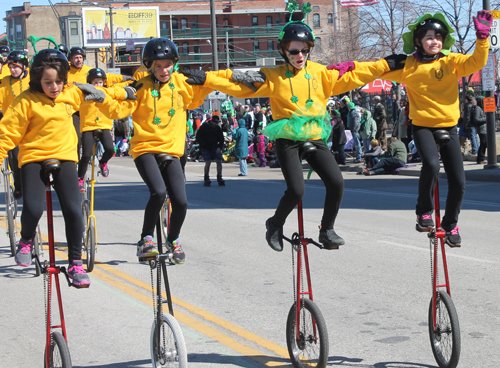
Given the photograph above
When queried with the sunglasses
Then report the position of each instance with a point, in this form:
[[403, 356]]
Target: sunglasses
[[296, 52]]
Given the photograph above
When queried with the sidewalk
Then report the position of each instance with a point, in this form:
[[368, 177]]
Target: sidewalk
[[473, 171]]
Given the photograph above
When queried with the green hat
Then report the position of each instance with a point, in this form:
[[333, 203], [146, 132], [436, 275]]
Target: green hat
[[351, 105], [409, 45]]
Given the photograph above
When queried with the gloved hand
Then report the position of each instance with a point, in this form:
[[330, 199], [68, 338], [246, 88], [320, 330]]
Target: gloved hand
[[131, 90], [91, 93], [195, 77], [343, 67], [396, 61], [249, 78], [482, 24], [127, 78]]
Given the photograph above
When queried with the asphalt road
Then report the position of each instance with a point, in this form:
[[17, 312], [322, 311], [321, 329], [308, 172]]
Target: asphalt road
[[233, 294]]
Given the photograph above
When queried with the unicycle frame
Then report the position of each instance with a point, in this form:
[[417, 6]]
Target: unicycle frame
[[438, 235], [92, 182], [299, 243]]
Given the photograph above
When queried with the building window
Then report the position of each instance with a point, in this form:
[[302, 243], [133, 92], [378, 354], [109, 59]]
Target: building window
[[316, 7], [256, 46], [185, 47], [269, 21], [196, 50], [73, 28], [277, 21], [19, 31], [164, 25], [255, 21], [184, 23], [316, 22], [194, 24], [330, 18], [270, 45], [318, 42], [175, 23]]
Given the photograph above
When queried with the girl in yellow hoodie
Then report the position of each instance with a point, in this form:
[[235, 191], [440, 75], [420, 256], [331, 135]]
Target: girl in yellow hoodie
[[39, 121], [431, 75], [159, 116], [12, 86]]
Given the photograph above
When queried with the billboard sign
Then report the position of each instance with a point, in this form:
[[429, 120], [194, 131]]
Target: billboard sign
[[137, 24]]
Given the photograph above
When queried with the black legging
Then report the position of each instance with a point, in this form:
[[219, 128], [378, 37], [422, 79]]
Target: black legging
[[451, 155], [323, 162], [88, 144], [14, 167], [170, 179], [66, 187]]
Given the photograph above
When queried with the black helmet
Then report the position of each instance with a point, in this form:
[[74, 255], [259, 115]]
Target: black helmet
[[63, 49], [20, 58], [159, 49], [96, 73], [4, 49], [296, 31], [49, 55], [76, 51], [430, 24]]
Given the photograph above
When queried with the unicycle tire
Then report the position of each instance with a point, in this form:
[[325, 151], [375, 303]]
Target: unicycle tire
[[37, 244], [166, 211], [445, 339], [90, 245], [11, 210], [59, 352], [168, 348], [309, 350]]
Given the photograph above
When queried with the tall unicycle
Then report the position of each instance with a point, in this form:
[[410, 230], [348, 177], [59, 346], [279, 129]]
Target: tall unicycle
[[10, 207]]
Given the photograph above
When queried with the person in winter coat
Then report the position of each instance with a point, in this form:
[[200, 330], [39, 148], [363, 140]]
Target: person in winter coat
[[211, 140], [469, 126], [338, 137], [240, 136], [372, 156], [354, 123], [261, 149], [379, 116], [392, 159], [368, 129], [481, 131]]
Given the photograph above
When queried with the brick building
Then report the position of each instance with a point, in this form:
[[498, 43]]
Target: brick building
[[247, 30]]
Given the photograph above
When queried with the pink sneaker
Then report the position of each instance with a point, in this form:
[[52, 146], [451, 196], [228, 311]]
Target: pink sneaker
[[81, 182], [23, 255], [78, 275], [104, 170]]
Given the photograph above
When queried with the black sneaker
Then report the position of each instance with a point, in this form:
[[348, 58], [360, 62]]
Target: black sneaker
[[274, 235], [18, 194], [207, 182], [452, 238], [330, 239], [221, 181], [424, 222]]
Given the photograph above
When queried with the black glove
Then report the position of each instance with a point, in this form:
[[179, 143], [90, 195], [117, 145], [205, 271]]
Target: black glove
[[127, 78], [396, 61], [195, 76], [131, 90]]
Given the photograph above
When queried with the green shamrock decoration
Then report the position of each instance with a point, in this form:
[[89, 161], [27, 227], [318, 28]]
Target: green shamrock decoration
[[157, 121], [309, 102], [171, 112], [154, 93], [292, 6], [294, 99], [171, 85], [289, 74], [306, 8], [307, 75]]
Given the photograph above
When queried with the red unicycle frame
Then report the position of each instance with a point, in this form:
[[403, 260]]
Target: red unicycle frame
[[307, 336]]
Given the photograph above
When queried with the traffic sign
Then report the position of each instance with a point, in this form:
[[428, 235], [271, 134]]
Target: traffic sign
[[495, 33]]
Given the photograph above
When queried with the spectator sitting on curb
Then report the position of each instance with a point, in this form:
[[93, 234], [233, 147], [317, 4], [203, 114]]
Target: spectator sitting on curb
[[372, 156], [393, 159]]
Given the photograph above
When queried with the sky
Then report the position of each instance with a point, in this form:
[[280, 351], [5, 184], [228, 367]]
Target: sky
[[6, 5]]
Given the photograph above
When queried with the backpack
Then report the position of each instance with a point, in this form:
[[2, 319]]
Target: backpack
[[478, 116]]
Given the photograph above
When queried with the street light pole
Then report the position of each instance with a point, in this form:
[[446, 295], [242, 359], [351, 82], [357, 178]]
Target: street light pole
[[215, 57], [112, 40]]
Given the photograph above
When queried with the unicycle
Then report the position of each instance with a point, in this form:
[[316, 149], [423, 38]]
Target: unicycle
[[89, 220], [168, 347], [444, 328], [10, 207], [56, 347]]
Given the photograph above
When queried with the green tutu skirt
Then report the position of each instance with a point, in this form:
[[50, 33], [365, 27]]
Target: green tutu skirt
[[304, 125]]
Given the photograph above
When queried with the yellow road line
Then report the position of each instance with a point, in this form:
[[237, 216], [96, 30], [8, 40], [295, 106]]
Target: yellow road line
[[102, 271]]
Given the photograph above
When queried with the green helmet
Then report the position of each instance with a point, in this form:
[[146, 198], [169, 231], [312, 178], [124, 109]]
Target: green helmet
[[428, 21]]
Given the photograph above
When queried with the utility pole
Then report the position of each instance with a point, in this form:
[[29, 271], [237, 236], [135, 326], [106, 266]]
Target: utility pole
[[112, 36], [227, 49], [490, 123], [215, 57]]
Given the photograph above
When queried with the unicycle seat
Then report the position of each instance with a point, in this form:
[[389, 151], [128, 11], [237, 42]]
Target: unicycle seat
[[163, 160], [51, 166], [97, 134], [306, 150], [442, 137]]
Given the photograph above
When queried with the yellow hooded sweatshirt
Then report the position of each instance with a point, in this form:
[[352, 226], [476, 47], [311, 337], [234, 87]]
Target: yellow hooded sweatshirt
[[10, 88], [169, 136], [433, 87]]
